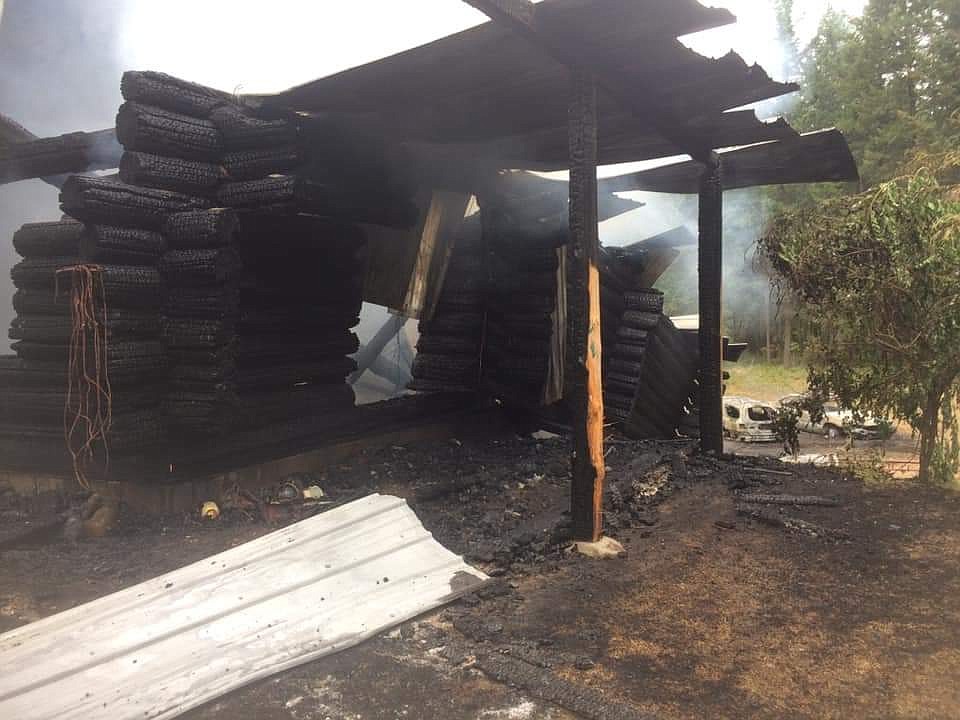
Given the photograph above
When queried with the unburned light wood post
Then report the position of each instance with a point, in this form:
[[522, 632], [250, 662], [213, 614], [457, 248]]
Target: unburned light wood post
[[583, 383], [711, 303]]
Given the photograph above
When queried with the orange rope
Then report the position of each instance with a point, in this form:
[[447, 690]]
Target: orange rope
[[88, 410]]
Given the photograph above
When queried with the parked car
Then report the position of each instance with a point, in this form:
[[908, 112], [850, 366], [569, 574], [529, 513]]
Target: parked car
[[835, 421], [748, 420]]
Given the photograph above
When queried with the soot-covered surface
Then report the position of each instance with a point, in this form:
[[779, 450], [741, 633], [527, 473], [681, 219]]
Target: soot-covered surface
[[710, 613]]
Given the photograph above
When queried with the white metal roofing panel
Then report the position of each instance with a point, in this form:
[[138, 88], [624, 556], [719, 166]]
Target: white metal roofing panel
[[175, 642]]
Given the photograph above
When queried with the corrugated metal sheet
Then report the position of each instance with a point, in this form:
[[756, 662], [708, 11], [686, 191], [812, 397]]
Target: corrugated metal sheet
[[182, 639]]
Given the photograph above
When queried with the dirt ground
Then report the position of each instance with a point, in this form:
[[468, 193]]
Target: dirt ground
[[711, 613]]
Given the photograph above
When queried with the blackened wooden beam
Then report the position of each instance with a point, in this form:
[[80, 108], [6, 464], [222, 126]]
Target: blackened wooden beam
[[23, 156], [583, 385], [822, 156], [521, 15], [12, 132], [711, 303]]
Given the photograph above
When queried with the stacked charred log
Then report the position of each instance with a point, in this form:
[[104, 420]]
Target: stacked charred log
[[256, 341], [628, 312], [110, 360], [254, 225], [448, 351], [500, 314], [118, 237], [525, 325], [122, 239], [263, 293], [648, 369]]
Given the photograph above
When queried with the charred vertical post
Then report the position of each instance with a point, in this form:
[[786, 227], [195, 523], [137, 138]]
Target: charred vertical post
[[583, 383], [711, 303]]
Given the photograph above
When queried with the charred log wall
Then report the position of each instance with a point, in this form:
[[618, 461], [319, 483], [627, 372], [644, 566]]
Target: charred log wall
[[509, 337], [449, 349], [232, 262], [34, 413]]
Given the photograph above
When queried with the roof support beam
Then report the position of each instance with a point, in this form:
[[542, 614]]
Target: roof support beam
[[583, 384], [711, 304], [822, 156], [521, 15]]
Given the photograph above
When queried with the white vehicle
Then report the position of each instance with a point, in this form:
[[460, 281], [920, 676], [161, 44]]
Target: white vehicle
[[836, 422], [748, 420]]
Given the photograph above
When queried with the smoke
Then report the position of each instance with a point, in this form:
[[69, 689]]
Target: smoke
[[60, 74], [745, 289]]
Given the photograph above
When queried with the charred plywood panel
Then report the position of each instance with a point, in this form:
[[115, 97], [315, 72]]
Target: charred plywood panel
[[163, 647], [405, 269]]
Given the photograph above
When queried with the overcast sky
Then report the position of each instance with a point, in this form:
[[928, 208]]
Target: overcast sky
[[255, 46], [753, 35]]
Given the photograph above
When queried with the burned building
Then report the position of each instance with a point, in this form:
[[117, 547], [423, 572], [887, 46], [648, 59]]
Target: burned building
[[193, 313]]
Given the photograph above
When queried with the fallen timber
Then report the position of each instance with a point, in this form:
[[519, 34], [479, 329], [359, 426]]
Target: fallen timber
[[799, 500], [791, 524]]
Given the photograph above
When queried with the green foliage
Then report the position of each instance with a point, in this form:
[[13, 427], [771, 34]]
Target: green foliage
[[787, 428], [879, 277], [868, 467], [888, 79]]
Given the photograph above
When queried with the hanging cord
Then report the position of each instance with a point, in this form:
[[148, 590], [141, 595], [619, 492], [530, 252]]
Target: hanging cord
[[88, 410]]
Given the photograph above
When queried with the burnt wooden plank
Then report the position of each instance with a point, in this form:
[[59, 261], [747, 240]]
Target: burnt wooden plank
[[622, 138], [584, 385], [822, 156], [711, 302]]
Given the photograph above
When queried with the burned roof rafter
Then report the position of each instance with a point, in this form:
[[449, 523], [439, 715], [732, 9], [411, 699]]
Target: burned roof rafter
[[821, 156]]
